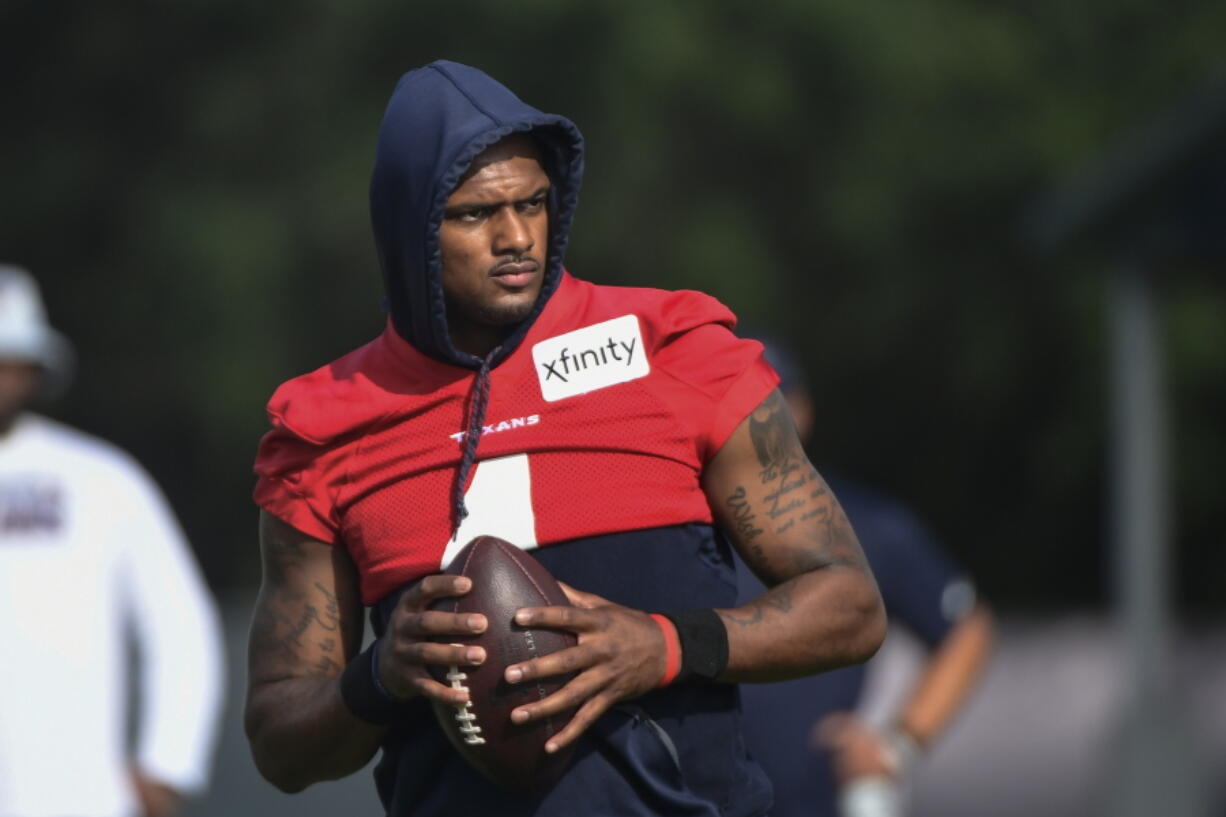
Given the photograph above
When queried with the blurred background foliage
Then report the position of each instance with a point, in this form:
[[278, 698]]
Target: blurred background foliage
[[188, 181]]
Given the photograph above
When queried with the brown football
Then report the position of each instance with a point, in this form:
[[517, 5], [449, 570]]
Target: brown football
[[504, 579]]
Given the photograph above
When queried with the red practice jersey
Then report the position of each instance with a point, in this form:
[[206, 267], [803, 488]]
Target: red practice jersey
[[601, 421]]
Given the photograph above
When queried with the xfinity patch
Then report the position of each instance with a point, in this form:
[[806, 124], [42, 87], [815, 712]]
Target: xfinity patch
[[591, 358]]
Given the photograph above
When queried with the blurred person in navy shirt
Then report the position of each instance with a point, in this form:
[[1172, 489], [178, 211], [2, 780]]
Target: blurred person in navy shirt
[[821, 755]]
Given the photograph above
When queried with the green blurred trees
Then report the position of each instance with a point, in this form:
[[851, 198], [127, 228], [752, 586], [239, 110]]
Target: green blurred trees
[[189, 182]]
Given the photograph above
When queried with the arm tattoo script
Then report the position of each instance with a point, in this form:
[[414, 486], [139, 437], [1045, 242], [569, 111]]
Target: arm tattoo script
[[798, 506], [295, 627], [743, 516]]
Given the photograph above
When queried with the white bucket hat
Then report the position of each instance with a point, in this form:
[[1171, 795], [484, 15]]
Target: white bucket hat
[[25, 333]]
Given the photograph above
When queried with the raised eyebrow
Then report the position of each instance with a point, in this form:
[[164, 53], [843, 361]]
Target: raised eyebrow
[[539, 194]]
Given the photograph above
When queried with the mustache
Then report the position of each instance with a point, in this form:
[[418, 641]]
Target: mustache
[[507, 262]]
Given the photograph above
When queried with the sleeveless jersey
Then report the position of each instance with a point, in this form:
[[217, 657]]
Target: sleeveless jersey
[[600, 422]]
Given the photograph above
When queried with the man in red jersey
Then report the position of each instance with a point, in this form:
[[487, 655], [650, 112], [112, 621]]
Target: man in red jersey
[[626, 435]]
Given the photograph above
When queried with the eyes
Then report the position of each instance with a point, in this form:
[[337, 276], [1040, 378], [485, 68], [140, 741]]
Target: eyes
[[476, 214], [533, 205]]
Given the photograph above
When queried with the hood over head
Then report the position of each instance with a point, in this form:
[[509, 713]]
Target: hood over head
[[439, 118]]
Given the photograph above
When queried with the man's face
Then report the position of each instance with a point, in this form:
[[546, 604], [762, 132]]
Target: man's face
[[493, 240], [19, 380]]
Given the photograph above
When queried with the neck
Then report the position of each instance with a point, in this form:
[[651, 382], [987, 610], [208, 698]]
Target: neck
[[478, 344], [476, 339]]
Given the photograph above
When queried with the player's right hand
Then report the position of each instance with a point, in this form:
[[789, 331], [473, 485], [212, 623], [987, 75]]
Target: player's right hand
[[412, 641]]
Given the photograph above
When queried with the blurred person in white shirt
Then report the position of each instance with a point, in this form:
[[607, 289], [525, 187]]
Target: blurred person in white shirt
[[92, 560]]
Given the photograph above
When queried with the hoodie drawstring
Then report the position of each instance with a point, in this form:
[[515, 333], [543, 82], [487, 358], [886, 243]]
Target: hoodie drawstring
[[476, 421]]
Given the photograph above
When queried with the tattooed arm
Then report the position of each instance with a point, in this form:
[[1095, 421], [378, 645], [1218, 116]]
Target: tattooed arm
[[822, 609], [307, 625]]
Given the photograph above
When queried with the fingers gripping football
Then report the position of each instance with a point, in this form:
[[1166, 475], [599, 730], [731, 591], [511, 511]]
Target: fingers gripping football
[[620, 655], [416, 636]]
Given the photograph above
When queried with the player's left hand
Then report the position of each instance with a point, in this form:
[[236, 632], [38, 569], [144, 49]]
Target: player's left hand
[[620, 655], [856, 748]]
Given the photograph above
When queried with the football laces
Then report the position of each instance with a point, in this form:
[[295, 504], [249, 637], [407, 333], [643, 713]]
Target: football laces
[[464, 715]]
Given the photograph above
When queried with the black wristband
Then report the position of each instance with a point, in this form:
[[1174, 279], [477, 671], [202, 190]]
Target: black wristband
[[362, 693], [704, 643]]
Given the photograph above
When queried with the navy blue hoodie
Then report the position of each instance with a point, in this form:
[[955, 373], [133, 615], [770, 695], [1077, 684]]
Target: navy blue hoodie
[[676, 752], [439, 118]]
